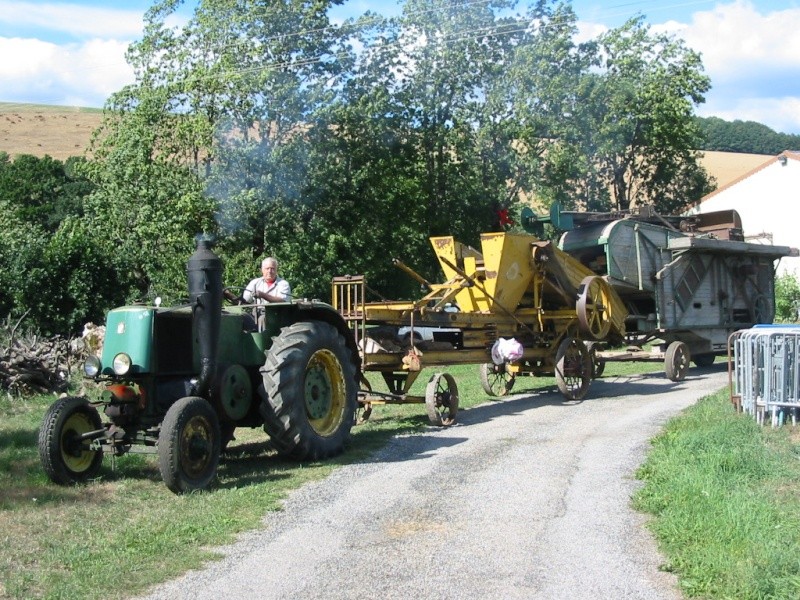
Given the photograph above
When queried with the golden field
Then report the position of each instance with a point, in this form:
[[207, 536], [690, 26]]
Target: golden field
[[61, 132]]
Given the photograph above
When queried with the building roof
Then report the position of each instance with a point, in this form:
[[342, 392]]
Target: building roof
[[782, 157]]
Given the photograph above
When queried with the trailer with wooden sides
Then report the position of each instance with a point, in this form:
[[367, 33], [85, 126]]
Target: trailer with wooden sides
[[519, 306], [687, 283]]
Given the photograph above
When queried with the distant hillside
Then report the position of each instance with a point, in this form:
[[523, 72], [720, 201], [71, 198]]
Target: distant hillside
[[59, 131], [744, 136], [731, 150]]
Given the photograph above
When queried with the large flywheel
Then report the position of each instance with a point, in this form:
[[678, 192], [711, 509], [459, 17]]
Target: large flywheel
[[594, 306]]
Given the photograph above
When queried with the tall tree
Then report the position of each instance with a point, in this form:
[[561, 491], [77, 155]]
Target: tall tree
[[450, 59], [205, 137], [643, 104]]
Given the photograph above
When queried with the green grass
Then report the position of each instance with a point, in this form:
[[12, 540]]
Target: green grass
[[724, 495], [69, 542], [125, 531]]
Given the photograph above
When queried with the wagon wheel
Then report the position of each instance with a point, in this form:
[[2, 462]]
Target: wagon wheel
[[704, 360], [598, 364], [363, 409], [496, 380], [594, 300], [441, 399], [676, 361], [573, 369]]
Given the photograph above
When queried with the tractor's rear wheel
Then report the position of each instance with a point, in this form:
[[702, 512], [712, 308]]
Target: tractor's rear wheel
[[573, 369], [309, 392], [496, 380], [189, 445], [65, 457]]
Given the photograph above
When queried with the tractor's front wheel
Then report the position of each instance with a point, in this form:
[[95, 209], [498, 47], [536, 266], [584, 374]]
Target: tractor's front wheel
[[189, 445], [309, 391], [64, 448]]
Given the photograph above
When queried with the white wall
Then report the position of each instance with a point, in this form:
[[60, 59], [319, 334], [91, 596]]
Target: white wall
[[769, 203]]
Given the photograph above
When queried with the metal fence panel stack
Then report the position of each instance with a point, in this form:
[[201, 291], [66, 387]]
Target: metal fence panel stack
[[766, 372]]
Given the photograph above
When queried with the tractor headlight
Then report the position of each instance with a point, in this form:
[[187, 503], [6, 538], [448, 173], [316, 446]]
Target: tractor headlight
[[91, 367], [121, 364]]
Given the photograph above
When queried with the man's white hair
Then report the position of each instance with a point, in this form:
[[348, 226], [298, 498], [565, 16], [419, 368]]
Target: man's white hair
[[269, 259]]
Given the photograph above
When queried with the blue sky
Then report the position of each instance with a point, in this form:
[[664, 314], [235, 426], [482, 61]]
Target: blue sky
[[72, 53]]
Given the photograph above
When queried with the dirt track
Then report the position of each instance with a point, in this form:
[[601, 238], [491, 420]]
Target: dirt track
[[524, 498]]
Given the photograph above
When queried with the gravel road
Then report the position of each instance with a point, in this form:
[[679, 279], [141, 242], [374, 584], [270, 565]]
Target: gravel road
[[527, 497]]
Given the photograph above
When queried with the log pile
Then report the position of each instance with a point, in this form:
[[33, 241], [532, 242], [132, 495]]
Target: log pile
[[32, 364]]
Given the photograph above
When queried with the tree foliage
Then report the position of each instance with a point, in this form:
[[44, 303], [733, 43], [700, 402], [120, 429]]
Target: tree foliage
[[787, 298], [744, 136]]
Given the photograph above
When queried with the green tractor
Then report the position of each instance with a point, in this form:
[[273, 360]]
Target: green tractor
[[178, 382]]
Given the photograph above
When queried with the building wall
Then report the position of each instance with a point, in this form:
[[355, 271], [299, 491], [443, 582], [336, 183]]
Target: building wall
[[768, 200]]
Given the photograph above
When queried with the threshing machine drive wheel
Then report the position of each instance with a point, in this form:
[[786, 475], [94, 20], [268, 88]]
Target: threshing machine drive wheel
[[441, 399], [189, 445], [309, 392], [573, 369], [496, 380], [594, 306], [65, 454], [676, 361]]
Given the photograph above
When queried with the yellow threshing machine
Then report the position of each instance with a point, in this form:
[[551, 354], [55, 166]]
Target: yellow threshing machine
[[518, 289]]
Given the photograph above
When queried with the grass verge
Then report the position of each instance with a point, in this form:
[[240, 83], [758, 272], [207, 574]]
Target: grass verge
[[723, 493]]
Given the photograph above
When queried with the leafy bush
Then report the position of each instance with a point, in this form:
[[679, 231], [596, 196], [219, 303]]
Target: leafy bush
[[787, 298]]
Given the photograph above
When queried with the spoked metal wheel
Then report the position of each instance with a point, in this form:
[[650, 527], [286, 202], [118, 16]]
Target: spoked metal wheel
[[363, 409], [598, 364], [573, 369], [441, 399], [496, 380]]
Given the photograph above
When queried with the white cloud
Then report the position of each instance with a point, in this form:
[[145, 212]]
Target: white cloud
[[72, 19], [82, 62], [74, 74], [753, 60]]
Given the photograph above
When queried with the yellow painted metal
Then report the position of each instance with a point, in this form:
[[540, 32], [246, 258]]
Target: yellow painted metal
[[452, 253], [518, 286], [507, 268]]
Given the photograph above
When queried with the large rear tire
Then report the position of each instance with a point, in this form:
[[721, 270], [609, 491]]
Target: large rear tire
[[64, 456], [309, 393], [189, 445]]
